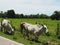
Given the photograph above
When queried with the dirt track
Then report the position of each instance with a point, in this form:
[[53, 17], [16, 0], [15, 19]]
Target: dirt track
[[5, 41]]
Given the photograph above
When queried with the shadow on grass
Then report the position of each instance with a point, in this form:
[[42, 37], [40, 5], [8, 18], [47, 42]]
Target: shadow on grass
[[44, 43], [8, 33], [34, 40]]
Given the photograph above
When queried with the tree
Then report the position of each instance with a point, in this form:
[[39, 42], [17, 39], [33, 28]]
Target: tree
[[10, 14], [43, 16], [55, 15], [21, 16], [2, 14]]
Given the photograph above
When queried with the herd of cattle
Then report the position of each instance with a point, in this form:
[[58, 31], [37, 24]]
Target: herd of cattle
[[36, 29]]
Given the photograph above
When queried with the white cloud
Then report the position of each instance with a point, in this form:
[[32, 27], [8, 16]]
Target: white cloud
[[30, 6], [45, 2]]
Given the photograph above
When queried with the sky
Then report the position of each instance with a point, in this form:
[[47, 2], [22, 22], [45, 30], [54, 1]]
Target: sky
[[30, 6]]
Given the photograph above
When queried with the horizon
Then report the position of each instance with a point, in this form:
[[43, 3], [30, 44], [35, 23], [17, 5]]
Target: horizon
[[30, 6]]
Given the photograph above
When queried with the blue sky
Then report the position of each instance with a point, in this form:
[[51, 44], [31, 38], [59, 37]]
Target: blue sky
[[30, 6]]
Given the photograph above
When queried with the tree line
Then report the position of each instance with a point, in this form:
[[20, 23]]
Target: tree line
[[12, 14]]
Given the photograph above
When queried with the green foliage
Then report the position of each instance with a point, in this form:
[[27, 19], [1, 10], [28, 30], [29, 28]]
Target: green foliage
[[51, 24], [10, 14], [55, 15], [58, 36], [58, 31], [44, 16]]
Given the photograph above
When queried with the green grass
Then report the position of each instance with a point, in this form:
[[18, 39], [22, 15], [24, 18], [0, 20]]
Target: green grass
[[51, 24]]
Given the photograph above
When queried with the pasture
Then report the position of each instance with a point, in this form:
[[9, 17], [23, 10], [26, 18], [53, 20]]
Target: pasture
[[51, 24]]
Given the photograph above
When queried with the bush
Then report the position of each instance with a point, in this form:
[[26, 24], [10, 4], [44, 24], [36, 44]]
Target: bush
[[58, 36]]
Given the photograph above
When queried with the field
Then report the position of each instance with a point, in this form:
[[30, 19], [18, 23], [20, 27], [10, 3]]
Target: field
[[51, 24]]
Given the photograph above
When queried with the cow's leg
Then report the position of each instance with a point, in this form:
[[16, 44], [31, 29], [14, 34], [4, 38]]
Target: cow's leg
[[24, 35], [21, 28], [5, 30], [27, 34], [36, 38]]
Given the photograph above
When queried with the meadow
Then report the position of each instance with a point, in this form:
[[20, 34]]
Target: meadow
[[51, 24]]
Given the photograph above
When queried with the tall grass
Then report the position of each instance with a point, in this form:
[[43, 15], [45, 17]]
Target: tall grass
[[51, 24]]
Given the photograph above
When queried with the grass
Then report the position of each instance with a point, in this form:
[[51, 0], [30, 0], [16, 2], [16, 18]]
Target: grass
[[51, 24]]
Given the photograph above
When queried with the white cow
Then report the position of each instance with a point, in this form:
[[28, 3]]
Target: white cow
[[7, 26], [33, 29]]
